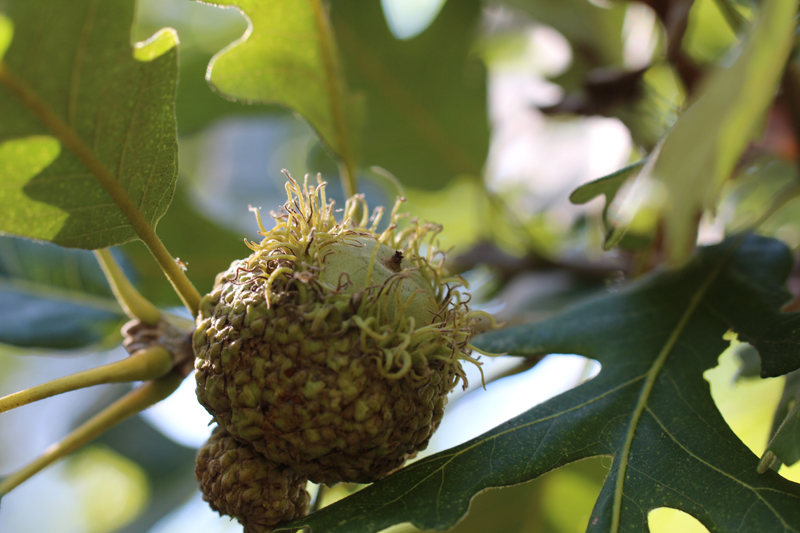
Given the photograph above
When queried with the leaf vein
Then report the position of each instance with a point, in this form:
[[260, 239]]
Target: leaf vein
[[129, 132], [718, 470], [677, 393], [77, 65], [452, 456], [647, 388]]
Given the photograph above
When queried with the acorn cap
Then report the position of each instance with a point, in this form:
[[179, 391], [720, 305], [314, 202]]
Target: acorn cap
[[332, 348], [238, 481]]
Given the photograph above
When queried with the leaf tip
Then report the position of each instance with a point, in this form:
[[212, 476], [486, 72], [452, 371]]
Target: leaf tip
[[157, 45]]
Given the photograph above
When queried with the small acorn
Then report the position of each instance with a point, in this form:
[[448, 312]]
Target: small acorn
[[332, 348], [238, 481]]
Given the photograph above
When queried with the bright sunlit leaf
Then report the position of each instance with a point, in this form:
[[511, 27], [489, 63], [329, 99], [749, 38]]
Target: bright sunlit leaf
[[72, 75], [684, 174], [289, 57]]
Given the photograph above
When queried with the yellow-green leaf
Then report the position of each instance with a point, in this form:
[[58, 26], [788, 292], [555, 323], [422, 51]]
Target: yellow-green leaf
[[88, 143], [288, 56], [685, 173]]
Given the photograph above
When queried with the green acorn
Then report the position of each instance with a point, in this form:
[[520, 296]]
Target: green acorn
[[238, 481], [332, 348]]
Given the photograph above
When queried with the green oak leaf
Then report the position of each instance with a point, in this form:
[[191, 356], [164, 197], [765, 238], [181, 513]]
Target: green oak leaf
[[608, 186], [288, 57], [425, 119], [88, 147], [53, 297], [686, 171], [649, 410], [425, 97]]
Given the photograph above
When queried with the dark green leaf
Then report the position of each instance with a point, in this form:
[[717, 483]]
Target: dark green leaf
[[649, 409], [71, 66], [608, 186], [53, 297], [425, 97], [786, 444]]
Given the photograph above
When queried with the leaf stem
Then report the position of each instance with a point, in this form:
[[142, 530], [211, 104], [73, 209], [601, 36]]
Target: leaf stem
[[149, 363], [135, 401], [336, 94], [134, 304], [69, 138]]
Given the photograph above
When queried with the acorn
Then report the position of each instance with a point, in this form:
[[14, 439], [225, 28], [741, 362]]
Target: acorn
[[333, 346], [239, 482]]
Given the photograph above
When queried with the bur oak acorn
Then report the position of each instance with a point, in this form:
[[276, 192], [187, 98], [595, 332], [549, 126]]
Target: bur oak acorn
[[238, 481], [331, 349]]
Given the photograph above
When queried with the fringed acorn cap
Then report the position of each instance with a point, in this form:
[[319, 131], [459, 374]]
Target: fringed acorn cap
[[332, 348]]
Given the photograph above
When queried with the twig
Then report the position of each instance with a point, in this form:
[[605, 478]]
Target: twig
[[144, 365], [135, 401]]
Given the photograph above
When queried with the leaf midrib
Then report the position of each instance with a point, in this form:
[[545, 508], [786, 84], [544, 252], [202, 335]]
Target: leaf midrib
[[647, 388], [72, 140], [667, 432]]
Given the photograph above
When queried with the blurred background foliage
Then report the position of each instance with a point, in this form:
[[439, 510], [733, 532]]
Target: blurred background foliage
[[485, 115]]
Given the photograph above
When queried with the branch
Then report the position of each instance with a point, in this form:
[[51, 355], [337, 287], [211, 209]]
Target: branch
[[144, 365], [336, 94]]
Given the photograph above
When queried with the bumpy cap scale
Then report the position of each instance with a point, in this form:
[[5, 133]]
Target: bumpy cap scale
[[332, 348], [238, 481]]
